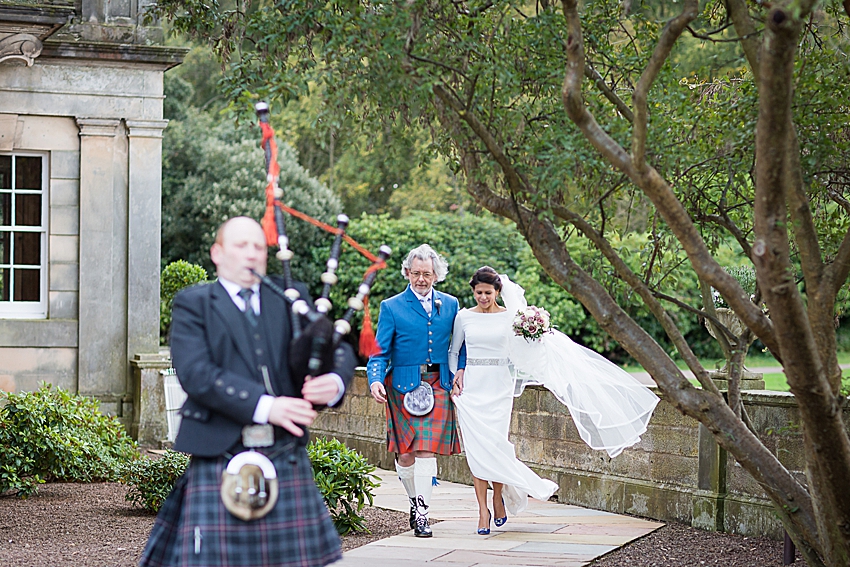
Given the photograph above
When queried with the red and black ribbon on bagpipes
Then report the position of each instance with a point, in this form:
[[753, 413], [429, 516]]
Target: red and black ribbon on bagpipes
[[312, 331]]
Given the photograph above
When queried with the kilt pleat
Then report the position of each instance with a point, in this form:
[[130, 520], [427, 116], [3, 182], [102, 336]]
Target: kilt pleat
[[193, 528], [436, 432]]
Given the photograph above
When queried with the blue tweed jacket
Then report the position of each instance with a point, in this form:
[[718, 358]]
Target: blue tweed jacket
[[408, 338]]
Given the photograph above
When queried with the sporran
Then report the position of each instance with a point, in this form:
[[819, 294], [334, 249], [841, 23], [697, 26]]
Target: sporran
[[249, 488], [420, 400]]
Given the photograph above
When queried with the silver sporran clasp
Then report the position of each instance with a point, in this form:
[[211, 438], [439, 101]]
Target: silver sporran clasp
[[420, 400], [249, 488]]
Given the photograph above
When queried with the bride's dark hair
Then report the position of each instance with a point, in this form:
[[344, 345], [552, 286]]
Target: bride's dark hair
[[486, 275]]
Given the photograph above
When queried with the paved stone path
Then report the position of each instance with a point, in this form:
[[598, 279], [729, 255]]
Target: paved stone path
[[547, 533]]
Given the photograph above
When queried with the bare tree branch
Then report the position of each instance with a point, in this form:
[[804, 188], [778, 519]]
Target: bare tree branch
[[736, 232], [600, 83], [634, 281], [746, 29], [837, 272], [805, 231], [669, 35], [657, 189], [807, 377], [792, 502], [515, 180]]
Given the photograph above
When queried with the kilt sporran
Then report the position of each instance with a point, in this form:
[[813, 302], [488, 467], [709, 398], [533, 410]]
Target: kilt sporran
[[249, 488], [420, 400]]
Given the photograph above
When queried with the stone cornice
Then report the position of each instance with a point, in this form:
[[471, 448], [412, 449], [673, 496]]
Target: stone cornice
[[161, 57], [39, 14], [146, 128], [98, 126]]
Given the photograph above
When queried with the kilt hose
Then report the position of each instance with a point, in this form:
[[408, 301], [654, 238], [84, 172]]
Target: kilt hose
[[194, 528], [435, 432]]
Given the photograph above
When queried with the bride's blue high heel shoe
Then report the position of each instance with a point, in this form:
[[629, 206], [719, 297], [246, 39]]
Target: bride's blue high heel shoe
[[486, 531], [502, 521]]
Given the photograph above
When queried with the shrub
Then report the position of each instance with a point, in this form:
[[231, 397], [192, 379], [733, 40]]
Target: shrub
[[175, 277], [151, 480], [53, 435], [344, 478]]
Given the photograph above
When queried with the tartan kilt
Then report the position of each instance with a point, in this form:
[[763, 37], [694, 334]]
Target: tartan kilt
[[435, 432], [298, 532]]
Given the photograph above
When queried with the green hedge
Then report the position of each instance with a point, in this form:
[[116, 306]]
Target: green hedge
[[53, 435], [176, 276]]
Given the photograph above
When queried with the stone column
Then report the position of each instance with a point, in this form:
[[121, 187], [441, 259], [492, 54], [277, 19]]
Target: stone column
[[144, 221], [102, 361], [149, 426], [710, 498]]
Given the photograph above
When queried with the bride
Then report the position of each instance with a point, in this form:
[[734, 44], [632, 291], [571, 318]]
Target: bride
[[609, 407]]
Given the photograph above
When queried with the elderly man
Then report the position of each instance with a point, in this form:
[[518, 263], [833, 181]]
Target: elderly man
[[230, 346], [414, 333]]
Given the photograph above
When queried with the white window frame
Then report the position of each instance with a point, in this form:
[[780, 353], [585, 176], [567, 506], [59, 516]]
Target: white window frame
[[29, 309]]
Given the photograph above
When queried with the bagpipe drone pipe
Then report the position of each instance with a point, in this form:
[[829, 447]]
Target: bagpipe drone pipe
[[315, 338]]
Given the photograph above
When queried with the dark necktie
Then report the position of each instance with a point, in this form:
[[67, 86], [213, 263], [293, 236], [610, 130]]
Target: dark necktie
[[245, 294]]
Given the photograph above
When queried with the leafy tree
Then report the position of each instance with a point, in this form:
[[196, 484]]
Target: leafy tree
[[213, 171], [564, 119], [470, 241]]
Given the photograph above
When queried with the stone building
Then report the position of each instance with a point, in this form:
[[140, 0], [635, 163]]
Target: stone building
[[81, 93]]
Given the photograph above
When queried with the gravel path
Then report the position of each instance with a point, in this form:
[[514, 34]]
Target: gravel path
[[84, 525]]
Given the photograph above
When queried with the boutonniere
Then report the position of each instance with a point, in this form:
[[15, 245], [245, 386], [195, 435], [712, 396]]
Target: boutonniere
[[438, 303]]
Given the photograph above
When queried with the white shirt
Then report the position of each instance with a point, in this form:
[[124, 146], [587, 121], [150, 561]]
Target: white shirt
[[425, 300], [264, 404], [233, 290]]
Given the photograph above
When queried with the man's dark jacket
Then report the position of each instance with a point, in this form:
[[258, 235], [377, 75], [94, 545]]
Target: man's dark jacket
[[211, 349]]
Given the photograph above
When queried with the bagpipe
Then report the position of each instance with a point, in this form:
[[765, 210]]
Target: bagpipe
[[249, 488], [315, 338]]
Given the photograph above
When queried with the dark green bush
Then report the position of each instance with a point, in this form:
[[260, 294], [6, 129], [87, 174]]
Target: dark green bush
[[151, 480], [53, 435], [344, 478], [175, 277]]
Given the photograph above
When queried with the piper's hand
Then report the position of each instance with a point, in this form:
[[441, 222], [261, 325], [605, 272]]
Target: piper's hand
[[457, 385], [289, 413], [320, 390], [378, 392]]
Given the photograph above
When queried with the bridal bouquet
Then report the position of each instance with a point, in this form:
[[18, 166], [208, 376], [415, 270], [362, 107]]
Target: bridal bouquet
[[531, 322]]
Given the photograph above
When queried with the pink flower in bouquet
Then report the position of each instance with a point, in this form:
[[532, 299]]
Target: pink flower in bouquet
[[531, 323]]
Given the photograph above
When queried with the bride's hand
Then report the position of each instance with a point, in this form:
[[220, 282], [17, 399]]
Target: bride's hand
[[457, 386]]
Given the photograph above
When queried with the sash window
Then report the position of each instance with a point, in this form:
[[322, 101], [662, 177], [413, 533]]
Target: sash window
[[23, 236]]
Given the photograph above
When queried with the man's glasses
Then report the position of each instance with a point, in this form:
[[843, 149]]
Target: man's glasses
[[417, 275]]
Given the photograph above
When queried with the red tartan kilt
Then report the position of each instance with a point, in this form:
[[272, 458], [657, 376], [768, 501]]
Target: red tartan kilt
[[436, 432]]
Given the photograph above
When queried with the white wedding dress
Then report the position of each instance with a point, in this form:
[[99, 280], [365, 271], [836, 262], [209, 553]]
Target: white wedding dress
[[484, 408], [609, 407]]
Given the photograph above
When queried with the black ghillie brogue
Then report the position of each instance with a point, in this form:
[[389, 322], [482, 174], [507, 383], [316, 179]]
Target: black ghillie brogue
[[422, 528]]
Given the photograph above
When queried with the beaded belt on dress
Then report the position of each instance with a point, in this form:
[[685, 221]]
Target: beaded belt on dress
[[488, 361]]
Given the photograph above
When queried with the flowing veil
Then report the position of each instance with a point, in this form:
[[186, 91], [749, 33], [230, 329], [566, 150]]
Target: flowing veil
[[609, 407]]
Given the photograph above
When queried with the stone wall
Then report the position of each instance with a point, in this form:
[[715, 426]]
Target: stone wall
[[677, 471]]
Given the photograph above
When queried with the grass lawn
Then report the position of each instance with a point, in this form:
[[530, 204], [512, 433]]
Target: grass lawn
[[772, 381]]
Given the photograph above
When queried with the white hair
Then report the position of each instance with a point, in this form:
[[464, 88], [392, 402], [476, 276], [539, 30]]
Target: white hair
[[425, 252]]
